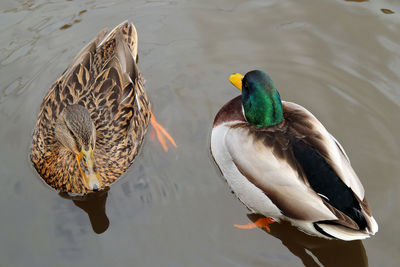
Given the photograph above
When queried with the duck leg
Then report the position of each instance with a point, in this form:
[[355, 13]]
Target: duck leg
[[260, 223], [159, 131]]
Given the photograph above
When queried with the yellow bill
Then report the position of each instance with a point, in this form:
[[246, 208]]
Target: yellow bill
[[236, 80], [91, 178]]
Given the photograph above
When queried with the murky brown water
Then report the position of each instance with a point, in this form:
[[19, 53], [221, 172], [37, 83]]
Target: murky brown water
[[339, 59]]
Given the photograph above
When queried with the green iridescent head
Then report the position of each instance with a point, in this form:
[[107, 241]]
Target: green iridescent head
[[261, 101]]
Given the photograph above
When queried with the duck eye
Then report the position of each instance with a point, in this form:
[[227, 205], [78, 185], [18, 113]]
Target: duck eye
[[71, 132], [75, 139]]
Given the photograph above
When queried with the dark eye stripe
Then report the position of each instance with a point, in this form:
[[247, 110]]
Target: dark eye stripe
[[75, 139], [71, 132]]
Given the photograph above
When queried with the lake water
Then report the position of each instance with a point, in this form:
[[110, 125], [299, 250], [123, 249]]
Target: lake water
[[339, 59]]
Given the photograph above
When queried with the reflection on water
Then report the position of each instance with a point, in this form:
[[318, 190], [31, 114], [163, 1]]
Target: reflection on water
[[74, 20], [387, 11], [314, 251], [94, 204], [356, 0]]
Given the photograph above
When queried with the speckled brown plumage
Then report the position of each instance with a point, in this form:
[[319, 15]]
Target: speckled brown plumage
[[105, 79]]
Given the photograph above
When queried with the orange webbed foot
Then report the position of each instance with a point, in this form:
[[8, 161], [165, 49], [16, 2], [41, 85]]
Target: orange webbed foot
[[260, 223], [160, 133]]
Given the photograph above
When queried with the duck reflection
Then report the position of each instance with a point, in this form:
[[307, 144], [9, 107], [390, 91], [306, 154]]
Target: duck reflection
[[94, 204], [326, 252]]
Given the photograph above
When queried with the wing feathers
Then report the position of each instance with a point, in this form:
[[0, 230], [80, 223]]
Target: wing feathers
[[281, 159], [275, 177], [317, 136]]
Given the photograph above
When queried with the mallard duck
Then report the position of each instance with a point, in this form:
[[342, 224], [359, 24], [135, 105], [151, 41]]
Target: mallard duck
[[94, 117], [281, 162]]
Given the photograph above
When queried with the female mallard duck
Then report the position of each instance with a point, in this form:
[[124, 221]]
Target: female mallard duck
[[93, 119], [281, 162]]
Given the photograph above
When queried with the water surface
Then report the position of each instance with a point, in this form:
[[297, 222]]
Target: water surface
[[339, 59]]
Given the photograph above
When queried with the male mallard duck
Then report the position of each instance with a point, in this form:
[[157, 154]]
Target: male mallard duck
[[93, 119], [281, 162]]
